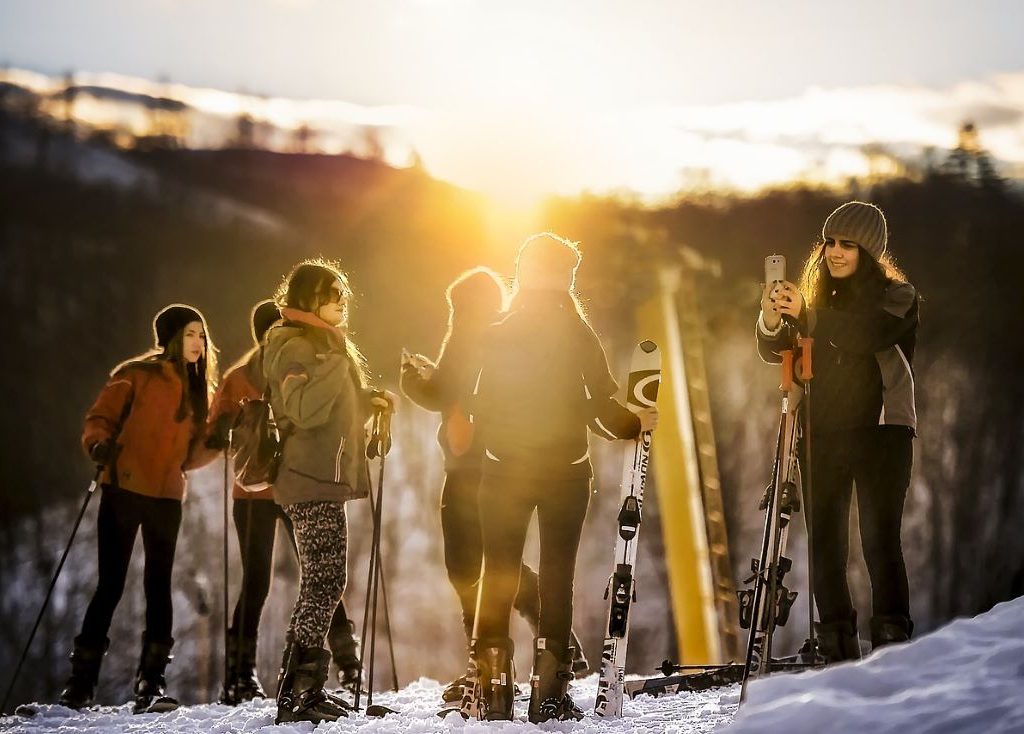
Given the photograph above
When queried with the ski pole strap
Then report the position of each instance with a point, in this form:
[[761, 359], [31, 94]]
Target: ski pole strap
[[787, 370], [806, 343]]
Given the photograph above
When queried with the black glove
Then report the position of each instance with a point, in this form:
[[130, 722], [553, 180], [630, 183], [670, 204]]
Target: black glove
[[102, 452], [220, 434]]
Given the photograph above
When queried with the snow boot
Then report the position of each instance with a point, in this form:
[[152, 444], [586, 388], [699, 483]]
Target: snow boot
[[86, 659], [301, 695], [242, 684], [549, 683], [838, 641], [150, 684], [887, 629], [345, 651], [496, 679]]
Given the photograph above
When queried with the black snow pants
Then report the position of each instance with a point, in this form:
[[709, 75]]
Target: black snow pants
[[463, 549], [878, 460], [122, 513], [506, 507]]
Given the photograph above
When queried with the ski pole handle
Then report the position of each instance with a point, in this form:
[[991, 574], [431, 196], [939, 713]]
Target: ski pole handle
[[380, 434], [806, 343], [787, 370]]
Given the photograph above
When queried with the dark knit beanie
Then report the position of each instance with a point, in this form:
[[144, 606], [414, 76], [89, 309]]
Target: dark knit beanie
[[264, 314], [173, 319], [858, 222]]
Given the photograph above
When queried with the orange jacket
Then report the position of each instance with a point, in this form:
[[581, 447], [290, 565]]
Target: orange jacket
[[237, 387], [137, 408]]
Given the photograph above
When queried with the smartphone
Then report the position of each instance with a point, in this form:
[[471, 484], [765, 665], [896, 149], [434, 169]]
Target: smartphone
[[774, 269]]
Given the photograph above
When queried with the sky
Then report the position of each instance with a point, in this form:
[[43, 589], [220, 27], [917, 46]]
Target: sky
[[524, 98]]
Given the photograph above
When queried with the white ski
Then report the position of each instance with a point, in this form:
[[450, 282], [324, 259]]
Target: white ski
[[644, 379]]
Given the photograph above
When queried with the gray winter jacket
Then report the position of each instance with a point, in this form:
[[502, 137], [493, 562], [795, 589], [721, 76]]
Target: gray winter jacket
[[322, 411]]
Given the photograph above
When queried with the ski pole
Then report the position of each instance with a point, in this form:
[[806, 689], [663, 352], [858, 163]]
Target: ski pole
[[377, 447], [226, 491], [387, 607], [53, 583], [805, 374]]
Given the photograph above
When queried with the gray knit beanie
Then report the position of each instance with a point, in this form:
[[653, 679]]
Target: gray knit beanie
[[859, 222]]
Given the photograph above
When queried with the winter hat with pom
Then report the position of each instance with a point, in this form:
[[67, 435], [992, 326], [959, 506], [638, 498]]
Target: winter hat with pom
[[859, 222]]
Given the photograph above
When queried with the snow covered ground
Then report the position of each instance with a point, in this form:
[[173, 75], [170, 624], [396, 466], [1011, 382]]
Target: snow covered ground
[[965, 677]]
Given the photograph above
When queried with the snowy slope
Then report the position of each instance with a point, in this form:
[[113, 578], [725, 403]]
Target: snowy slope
[[966, 677]]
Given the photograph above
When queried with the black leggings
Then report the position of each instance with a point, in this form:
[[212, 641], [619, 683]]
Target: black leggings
[[463, 549], [506, 506], [879, 460], [121, 515], [258, 519]]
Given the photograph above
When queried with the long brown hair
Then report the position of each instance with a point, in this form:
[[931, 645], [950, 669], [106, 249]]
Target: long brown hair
[[475, 299], [307, 287], [817, 284], [199, 380]]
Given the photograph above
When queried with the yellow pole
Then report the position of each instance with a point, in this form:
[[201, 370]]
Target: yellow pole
[[680, 503]]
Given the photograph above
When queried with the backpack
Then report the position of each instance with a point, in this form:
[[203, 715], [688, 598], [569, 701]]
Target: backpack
[[256, 443]]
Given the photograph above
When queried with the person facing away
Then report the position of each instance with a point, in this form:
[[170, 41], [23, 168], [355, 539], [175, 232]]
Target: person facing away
[[863, 316], [317, 388], [163, 393], [255, 516], [475, 299], [543, 378]]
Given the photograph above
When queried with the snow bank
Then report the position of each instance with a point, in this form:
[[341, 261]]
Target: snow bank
[[966, 677]]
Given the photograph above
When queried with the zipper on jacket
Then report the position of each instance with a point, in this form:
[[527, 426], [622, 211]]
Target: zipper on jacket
[[337, 461]]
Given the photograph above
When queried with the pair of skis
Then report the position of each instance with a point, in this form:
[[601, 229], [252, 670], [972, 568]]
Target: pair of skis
[[642, 392], [766, 605]]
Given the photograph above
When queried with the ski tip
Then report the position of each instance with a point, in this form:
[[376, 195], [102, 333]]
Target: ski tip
[[648, 346]]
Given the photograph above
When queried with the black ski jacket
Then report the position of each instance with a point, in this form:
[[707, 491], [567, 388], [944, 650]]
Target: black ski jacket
[[543, 378], [862, 356]]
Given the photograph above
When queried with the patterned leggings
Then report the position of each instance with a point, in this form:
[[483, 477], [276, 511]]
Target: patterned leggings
[[322, 537]]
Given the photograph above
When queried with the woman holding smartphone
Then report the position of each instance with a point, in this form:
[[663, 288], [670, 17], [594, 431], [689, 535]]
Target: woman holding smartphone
[[863, 316]]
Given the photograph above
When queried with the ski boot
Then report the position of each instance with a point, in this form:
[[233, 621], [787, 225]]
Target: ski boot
[[86, 659], [150, 684], [242, 684], [549, 683], [345, 651], [838, 641], [887, 629], [301, 695], [496, 679]]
